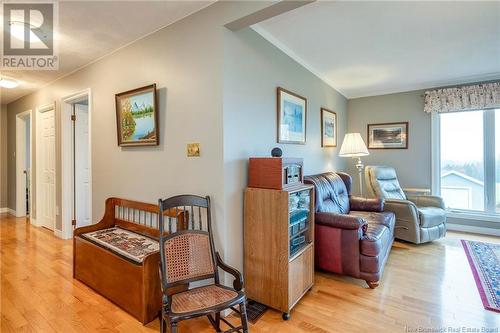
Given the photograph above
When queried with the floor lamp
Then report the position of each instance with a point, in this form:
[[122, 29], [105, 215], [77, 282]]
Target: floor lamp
[[354, 146]]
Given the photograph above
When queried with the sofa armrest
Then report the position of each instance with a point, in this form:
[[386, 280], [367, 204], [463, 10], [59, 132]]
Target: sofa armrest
[[404, 209], [367, 205], [427, 201], [341, 221]]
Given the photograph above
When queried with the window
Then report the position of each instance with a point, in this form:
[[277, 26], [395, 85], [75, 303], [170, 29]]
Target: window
[[469, 160]]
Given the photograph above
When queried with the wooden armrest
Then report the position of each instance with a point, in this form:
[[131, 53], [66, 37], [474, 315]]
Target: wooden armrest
[[103, 224], [238, 278]]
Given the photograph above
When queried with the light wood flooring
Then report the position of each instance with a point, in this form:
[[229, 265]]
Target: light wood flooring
[[425, 286]]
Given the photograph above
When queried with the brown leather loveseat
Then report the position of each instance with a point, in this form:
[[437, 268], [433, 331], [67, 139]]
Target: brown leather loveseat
[[353, 235]]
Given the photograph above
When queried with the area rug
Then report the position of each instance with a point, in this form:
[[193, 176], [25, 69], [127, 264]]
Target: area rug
[[484, 260], [126, 243]]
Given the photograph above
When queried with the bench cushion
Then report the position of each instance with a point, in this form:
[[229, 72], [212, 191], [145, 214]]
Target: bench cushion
[[126, 243]]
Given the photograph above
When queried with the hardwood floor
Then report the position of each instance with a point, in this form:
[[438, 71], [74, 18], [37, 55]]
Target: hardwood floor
[[425, 286]]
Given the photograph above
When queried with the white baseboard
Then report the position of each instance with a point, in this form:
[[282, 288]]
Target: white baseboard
[[33, 221], [62, 235], [472, 229], [8, 211]]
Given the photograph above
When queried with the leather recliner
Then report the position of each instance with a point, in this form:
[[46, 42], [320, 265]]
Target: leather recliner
[[353, 236], [419, 219]]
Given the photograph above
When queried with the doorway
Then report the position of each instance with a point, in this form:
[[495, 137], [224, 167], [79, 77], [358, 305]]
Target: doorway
[[23, 163], [46, 166], [81, 167], [76, 159]]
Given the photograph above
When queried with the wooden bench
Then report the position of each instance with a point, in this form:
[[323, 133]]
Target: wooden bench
[[133, 286]]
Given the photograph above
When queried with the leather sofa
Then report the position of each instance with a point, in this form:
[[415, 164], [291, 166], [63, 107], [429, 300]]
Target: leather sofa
[[419, 219], [353, 236]]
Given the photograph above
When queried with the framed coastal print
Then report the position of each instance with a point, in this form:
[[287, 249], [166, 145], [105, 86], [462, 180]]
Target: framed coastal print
[[137, 117], [388, 136], [292, 111], [328, 128]]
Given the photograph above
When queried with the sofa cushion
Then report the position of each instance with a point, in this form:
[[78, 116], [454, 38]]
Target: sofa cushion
[[377, 238], [123, 242], [431, 216], [385, 218], [330, 192]]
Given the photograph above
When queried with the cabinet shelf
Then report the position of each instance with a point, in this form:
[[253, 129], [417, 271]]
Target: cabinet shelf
[[299, 233], [300, 252]]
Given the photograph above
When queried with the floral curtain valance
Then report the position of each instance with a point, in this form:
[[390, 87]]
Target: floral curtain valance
[[466, 98]]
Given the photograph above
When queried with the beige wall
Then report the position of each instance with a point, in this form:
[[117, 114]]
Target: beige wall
[[185, 61], [3, 156], [215, 87], [413, 165], [253, 68]]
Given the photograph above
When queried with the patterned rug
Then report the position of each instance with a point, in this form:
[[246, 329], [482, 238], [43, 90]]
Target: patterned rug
[[124, 242], [484, 260]]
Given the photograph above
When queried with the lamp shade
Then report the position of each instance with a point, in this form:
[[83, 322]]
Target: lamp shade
[[353, 146]]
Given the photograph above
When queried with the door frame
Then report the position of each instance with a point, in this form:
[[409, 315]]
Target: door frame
[[20, 161], [67, 158], [38, 171]]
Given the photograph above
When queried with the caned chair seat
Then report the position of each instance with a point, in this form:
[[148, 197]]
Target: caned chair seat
[[188, 256], [202, 298]]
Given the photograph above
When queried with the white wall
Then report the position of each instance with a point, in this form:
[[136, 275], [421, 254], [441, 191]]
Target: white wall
[[253, 68]]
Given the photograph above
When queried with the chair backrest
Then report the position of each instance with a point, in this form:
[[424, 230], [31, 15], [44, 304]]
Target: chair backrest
[[382, 182], [331, 191], [188, 254]]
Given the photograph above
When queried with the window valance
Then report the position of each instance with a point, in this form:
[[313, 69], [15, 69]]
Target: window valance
[[466, 98]]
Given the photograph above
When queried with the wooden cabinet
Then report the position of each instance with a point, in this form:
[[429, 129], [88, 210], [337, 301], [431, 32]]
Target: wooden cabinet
[[301, 275], [279, 245]]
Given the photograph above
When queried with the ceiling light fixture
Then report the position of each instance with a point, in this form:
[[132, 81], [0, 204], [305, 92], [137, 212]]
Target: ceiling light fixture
[[8, 83]]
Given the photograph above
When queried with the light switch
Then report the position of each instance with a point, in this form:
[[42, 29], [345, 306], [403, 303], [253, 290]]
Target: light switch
[[193, 150]]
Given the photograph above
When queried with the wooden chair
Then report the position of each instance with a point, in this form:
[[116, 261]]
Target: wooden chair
[[187, 256]]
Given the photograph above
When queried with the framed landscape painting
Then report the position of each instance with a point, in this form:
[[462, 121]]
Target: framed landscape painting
[[388, 136], [292, 111], [328, 128], [137, 117]]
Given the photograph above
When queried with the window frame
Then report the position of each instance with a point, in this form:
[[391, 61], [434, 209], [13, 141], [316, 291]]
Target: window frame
[[489, 161]]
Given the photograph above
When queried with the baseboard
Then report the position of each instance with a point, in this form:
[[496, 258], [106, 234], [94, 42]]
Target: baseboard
[[33, 222], [60, 234], [473, 230], [8, 211]]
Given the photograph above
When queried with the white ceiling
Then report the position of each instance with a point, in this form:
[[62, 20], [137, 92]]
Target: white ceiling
[[89, 30], [373, 48]]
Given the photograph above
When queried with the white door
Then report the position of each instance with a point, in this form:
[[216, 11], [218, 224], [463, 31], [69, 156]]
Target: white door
[[48, 174], [82, 167]]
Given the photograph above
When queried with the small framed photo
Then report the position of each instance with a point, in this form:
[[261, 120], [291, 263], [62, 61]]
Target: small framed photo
[[292, 112], [328, 128], [388, 136], [137, 117]]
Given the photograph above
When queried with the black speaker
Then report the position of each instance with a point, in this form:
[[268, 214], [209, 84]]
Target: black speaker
[[276, 152]]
